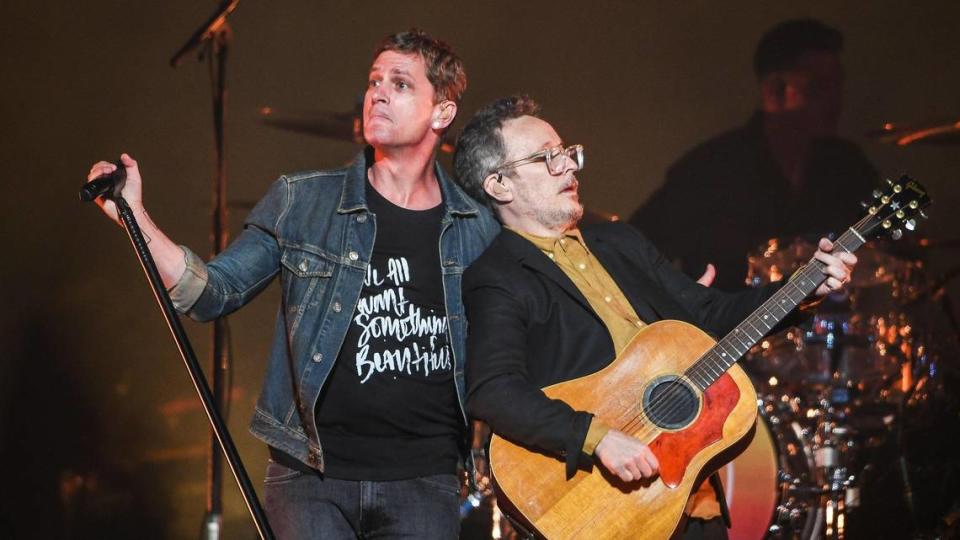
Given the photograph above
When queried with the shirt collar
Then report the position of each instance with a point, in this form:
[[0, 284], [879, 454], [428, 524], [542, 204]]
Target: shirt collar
[[547, 243]]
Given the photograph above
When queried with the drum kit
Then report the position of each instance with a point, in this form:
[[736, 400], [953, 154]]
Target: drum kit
[[856, 404], [837, 395]]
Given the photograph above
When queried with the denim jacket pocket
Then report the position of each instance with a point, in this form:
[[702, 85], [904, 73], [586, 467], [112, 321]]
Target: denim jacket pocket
[[306, 264], [306, 277]]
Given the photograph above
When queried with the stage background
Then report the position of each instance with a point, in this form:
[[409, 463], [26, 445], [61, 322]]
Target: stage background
[[91, 386]]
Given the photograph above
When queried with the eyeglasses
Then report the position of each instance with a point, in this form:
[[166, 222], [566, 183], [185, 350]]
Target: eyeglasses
[[555, 158]]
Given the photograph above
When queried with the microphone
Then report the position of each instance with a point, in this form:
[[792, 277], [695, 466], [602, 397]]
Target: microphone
[[105, 184]]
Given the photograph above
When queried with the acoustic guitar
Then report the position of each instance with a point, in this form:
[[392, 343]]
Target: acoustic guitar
[[682, 394]]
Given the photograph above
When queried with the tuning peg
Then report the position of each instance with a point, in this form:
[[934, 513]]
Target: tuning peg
[[924, 215], [889, 181], [877, 194], [896, 234], [910, 224], [864, 204]]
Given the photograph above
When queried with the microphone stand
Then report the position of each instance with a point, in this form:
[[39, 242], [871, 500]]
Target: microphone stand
[[193, 367], [214, 36]]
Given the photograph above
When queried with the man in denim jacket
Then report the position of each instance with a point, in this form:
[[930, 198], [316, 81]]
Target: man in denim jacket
[[362, 405]]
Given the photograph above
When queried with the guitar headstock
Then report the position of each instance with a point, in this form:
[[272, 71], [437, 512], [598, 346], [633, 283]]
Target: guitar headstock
[[894, 208]]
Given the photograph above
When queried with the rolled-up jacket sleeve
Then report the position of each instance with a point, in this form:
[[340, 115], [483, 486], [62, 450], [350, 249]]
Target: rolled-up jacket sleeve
[[189, 287], [206, 291]]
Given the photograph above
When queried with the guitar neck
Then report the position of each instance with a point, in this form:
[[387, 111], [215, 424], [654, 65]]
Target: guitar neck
[[734, 345]]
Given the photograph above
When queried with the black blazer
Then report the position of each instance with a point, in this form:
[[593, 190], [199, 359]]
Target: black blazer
[[530, 327]]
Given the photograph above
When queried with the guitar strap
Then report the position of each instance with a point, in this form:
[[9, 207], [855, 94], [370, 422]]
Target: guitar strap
[[721, 497]]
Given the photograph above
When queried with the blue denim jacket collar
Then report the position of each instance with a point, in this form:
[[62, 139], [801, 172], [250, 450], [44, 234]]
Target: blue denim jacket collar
[[354, 188]]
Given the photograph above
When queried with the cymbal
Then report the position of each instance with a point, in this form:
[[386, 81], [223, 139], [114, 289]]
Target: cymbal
[[944, 132], [339, 126]]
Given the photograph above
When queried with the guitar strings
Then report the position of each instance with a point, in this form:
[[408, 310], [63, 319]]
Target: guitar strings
[[668, 399], [700, 365], [676, 388]]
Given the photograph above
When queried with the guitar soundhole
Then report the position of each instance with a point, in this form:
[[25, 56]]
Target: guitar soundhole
[[670, 402]]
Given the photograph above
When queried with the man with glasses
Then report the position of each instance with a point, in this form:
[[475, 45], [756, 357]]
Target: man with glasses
[[549, 302], [362, 405]]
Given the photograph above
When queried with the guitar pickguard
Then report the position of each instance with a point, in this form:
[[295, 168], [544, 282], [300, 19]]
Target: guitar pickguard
[[676, 449]]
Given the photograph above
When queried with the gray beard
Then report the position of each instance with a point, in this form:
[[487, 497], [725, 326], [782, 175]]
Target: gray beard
[[559, 219]]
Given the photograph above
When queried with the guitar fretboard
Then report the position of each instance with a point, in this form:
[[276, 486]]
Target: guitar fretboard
[[734, 345]]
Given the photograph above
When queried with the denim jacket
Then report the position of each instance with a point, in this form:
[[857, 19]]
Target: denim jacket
[[314, 229]]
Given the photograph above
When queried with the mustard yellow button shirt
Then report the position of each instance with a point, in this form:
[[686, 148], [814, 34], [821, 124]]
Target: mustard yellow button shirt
[[572, 255]]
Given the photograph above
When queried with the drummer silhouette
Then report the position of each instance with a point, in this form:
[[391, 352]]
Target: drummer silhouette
[[783, 173]]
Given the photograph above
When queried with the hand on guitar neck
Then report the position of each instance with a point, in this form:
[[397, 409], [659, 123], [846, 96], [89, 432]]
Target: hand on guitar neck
[[838, 268], [626, 457]]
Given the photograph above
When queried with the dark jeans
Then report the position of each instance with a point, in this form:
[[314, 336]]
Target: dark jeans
[[301, 504]]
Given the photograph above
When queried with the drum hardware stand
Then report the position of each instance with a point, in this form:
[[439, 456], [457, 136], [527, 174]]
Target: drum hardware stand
[[214, 36], [902, 463], [938, 292], [217, 424], [836, 485], [935, 291]]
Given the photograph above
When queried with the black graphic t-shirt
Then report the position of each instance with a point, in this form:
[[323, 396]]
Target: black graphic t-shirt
[[389, 410]]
